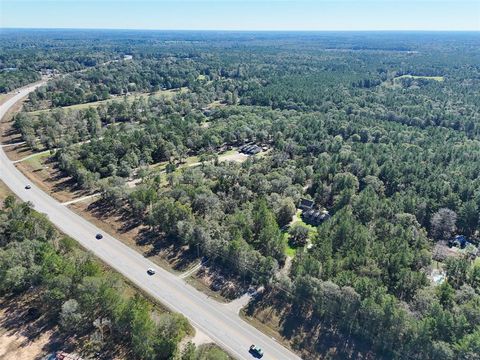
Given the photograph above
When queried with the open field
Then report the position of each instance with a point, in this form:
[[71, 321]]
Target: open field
[[435, 78]]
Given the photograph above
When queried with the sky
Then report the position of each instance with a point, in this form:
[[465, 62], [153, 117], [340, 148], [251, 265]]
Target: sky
[[243, 14]]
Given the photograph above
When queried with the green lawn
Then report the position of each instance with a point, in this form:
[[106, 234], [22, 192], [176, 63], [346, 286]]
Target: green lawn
[[291, 251], [36, 161], [228, 152]]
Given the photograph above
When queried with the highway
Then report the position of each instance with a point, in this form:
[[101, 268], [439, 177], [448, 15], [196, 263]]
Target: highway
[[218, 321]]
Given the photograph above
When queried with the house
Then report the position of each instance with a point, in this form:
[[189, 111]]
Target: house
[[315, 217], [458, 241], [250, 149], [305, 204], [255, 150]]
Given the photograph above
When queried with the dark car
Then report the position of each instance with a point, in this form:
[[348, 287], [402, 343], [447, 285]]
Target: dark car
[[256, 351], [99, 236], [28, 186], [151, 271]]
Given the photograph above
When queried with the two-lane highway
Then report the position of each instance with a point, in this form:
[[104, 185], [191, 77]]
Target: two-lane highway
[[219, 322]]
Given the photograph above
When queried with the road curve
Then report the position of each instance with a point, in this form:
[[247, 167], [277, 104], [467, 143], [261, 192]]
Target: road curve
[[219, 322]]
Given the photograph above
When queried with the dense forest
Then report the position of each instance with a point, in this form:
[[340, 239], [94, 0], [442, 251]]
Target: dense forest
[[381, 130]]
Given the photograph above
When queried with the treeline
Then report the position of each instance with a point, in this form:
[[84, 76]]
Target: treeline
[[71, 289], [11, 79]]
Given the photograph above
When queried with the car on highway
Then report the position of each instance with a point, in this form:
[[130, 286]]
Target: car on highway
[[150, 271], [256, 351], [99, 236], [28, 187]]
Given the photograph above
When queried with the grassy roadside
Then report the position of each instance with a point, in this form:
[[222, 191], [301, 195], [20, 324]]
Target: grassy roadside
[[200, 286], [273, 318], [5, 97], [4, 192], [113, 225], [268, 328]]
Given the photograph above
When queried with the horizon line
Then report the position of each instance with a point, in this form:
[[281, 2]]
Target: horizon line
[[240, 30]]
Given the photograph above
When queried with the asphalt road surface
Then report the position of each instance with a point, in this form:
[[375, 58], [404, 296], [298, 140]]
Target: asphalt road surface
[[216, 320]]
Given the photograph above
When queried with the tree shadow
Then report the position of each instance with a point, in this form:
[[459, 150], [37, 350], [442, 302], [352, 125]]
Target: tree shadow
[[228, 285], [306, 333], [63, 182], [23, 316], [178, 255]]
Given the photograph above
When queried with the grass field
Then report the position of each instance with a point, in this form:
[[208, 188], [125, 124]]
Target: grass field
[[436, 78], [37, 161], [289, 251]]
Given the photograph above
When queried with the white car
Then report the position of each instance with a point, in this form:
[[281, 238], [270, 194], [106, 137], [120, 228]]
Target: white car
[[150, 271]]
